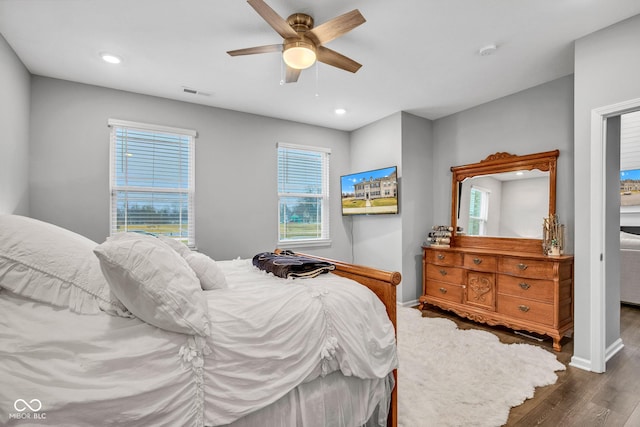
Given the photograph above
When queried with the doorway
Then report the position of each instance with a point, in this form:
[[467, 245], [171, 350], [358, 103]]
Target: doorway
[[604, 244]]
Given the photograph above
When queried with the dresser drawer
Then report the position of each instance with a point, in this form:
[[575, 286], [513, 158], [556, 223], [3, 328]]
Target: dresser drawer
[[526, 267], [435, 256], [442, 290], [523, 287], [529, 310], [444, 273], [480, 262]]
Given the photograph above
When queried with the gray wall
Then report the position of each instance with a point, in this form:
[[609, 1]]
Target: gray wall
[[607, 66], [14, 124], [393, 242], [416, 201], [377, 239], [236, 192], [531, 121]]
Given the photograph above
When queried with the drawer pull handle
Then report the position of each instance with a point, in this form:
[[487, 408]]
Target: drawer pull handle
[[442, 290], [525, 286], [477, 261], [443, 272], [440, 257], [522, 266], [523, 308]]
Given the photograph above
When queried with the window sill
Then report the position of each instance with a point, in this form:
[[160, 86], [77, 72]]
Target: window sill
[[303, 243]]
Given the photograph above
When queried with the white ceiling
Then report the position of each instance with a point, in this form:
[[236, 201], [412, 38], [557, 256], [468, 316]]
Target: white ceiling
[[419, 56]]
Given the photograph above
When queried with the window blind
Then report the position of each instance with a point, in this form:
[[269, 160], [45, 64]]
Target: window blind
[[303, 193], [152, 180], [630, 141]]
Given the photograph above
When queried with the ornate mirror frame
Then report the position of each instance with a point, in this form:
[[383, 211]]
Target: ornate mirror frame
[[497, 163]]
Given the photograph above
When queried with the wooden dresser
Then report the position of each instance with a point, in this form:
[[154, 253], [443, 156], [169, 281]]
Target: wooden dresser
[[519, 290]]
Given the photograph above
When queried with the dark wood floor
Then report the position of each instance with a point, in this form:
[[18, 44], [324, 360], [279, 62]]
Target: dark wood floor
[[579, 398]]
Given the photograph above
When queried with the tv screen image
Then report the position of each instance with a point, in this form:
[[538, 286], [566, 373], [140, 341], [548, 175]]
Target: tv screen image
[[630, 187], [372, 192]]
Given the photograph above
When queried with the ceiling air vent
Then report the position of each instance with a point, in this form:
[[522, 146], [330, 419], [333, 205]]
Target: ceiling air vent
[[194, 91]]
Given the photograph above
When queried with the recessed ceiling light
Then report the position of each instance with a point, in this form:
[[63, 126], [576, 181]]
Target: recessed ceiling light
[[340, 111], [487, 50], [110, 58]]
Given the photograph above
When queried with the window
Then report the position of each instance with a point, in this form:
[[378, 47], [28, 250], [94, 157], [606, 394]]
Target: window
[[629, 166], [152, 180], [303, 194], [478, 211]]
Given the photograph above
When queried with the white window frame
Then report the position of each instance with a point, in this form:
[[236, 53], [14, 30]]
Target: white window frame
[[114, 187], [484, 209], [325, 238]]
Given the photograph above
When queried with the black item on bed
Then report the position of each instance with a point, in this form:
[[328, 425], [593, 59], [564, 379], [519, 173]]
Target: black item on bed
[[290, 266], [630, 229]]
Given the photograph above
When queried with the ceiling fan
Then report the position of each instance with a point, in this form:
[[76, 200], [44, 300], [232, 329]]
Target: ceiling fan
[[303, 43]]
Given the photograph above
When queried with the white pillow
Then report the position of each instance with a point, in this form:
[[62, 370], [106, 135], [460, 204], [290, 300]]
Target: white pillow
[[177, 246], [53, 265], [208, 272], [154, 282]]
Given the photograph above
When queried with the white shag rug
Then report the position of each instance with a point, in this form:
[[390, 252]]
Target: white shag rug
[[453, 377]]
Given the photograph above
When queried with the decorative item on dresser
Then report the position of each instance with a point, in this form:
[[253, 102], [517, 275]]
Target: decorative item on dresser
[[497, 280], [440, 236]]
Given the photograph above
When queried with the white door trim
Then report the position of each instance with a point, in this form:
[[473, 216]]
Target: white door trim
[[597, 255], [596, 246]]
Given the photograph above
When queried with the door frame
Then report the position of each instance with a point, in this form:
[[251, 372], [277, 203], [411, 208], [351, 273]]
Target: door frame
[[597, 250]]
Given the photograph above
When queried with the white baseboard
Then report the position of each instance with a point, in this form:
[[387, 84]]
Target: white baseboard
[[580, 363], [613, 349], [411, 303]]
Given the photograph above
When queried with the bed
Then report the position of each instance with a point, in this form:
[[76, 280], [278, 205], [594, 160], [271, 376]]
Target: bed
[[140, 331], [630, 265]]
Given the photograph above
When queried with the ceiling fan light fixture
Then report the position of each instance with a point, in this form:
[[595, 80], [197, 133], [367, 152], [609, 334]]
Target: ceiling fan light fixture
[[299, 54], [110, 58]]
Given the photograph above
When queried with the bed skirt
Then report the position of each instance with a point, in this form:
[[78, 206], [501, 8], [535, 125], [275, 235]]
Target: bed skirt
[[334, 400]]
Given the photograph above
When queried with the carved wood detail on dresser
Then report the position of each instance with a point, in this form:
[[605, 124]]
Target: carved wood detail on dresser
[[519, 290]]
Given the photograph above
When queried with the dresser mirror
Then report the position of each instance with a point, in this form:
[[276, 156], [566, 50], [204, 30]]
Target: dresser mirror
[[503, 199]]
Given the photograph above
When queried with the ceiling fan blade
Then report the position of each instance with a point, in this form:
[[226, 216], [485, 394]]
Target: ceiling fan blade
[[292, 75], [257, 49], [276, 21], [336, 27], [331, 57]]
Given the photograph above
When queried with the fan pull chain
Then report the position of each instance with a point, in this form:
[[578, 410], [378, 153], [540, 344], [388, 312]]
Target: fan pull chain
[[317, 84], [281, 72]]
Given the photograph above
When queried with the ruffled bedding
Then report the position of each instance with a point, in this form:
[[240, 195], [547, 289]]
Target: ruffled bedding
[[89, 370], [267, 336]]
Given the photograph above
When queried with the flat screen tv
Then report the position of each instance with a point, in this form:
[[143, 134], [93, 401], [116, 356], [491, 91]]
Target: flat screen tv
[[373, 192]]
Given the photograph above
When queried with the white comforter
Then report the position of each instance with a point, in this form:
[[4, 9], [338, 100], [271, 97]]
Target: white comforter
[[268, 336]]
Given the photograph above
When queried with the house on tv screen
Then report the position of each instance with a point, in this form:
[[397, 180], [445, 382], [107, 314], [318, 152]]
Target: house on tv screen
[[386, 186]]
